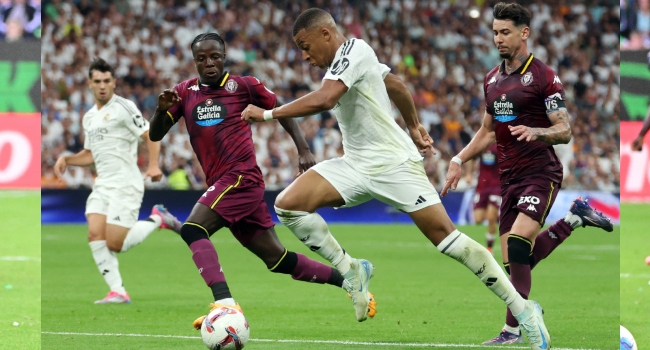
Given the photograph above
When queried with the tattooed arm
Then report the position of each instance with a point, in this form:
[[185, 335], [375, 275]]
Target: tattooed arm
[[559, 133]]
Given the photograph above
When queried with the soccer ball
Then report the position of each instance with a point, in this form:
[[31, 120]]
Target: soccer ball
[[225, 328], [627, 340]]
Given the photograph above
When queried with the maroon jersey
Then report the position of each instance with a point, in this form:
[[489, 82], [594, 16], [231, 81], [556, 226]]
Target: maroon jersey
[[522, 98], [488, 170], [221, 140]]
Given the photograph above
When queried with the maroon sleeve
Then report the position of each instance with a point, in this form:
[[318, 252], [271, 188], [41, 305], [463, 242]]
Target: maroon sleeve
[[261, 96], [553, 88], [177, 110], [488, 108]]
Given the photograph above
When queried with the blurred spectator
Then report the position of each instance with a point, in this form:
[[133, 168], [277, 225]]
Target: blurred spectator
[[439, 48], [20, 19]]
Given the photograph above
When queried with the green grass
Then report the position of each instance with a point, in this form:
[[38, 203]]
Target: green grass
[[635, 274], [423, 296], [20, 270]]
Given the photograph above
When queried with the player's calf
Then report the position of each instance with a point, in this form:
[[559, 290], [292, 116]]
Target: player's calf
[[301, 268]]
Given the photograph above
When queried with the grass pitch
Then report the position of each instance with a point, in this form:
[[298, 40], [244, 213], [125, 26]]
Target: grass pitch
[[635, 274], [20, 270], [424, 298]]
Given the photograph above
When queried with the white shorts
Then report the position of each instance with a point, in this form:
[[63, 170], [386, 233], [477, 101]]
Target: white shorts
[[121, 206], [406, 187]]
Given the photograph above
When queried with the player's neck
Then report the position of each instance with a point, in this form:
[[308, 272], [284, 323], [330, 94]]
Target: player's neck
[[100, 104], [512, 64]]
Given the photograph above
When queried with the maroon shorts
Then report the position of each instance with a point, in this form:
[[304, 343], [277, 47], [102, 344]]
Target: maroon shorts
[[241, 203], [532, 196], [490, 195]]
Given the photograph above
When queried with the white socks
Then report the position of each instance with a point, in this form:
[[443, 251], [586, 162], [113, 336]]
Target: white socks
[[312, 230], [108, 266], [476, 257], [140, 231], [573, 220], [226, 301], [513, 330]]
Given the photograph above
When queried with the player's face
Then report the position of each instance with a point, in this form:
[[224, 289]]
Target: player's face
[[508, 38], [102, 84], [313, 45], [209, 56]]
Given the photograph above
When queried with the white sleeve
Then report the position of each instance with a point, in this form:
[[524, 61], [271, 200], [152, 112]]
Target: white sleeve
[[355, 58], [85, 127], [384, 69], [133, 119]]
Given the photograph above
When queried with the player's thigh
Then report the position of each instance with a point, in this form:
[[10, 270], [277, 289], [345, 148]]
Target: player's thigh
[[115, 235], [433, 222], [526, 227], [267, 246], [96, 227], [332, 183], [96, 210], [480, 204], [256, 232]]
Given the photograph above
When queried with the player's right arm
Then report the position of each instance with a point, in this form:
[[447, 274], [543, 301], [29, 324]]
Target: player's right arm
[[162, 119], [83, 158], [400, 95], [637, 144], [483, 138]]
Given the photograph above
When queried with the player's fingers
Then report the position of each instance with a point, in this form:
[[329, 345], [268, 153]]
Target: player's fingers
[[445, 188]]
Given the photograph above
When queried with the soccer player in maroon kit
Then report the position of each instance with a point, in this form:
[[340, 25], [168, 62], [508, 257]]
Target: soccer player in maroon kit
[[526, 115], [487, 196], [212, 105]]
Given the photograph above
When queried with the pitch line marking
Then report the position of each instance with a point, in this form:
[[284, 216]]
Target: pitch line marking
[[19, 258], [339, 342]]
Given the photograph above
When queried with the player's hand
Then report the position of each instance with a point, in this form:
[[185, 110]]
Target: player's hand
[[306, 160], [637, 144], [523, 132], [451, 181], [60, 166], [154, 173], [422, 139], [252, 114], [168, 99]]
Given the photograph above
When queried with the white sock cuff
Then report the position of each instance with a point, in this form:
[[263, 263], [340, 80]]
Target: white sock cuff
[[449, 241], [289, 213], [96, 245], [157, 219], [513, 330]]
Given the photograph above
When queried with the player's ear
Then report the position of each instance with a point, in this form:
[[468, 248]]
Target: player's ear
[[525, 32], [327, 35]]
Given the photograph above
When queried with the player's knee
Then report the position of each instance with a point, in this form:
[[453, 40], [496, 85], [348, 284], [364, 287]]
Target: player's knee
[[114, 245], [286, 264], [288, 201], [519, 249], [191, 232], [94, 236]]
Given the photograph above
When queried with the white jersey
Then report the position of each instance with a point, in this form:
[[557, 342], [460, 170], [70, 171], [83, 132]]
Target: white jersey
[[373, 143], [112, 135]]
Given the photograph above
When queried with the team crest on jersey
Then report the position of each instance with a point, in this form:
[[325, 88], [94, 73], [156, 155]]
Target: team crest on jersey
[[527, 79], [231, 86], [106, 116], [209, 112]]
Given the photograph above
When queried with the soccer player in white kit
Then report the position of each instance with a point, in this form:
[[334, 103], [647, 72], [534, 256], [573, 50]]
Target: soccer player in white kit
[[380, 162], [112, 128]]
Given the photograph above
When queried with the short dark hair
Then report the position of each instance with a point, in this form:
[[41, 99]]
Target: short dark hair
[[514, 12], [308, 18], [208, 36], [99, 64]]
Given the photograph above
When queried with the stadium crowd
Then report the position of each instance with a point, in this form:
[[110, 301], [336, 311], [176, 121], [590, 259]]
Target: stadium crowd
[[441, 50], [20, 19]]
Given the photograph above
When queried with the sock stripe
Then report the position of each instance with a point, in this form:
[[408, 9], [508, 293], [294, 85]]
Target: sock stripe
[[521, 238], [450, 243], [197, 225], [279, 261]]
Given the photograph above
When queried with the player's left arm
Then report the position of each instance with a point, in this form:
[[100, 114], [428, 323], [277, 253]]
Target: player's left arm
[[560, 130], [401, 96], [306, 159], [153, 169], [315, 102], [559, 133]]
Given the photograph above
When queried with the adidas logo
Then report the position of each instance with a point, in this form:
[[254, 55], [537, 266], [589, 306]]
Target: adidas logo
[[105, 272], [531, 208], [420, 200], [117, 218]]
